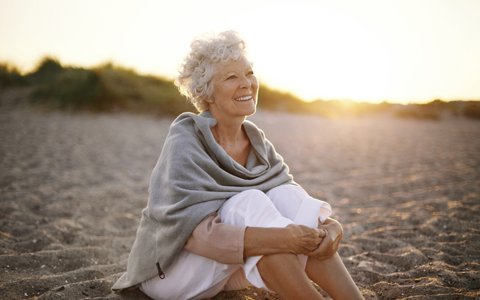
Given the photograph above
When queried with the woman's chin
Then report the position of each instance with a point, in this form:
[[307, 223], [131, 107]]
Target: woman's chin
[[250, 111], [246, 107]]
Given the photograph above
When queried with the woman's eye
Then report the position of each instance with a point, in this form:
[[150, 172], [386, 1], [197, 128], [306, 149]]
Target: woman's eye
[[231, 77]]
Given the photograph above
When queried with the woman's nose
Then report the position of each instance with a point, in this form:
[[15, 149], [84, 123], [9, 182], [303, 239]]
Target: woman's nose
[[246, 83]]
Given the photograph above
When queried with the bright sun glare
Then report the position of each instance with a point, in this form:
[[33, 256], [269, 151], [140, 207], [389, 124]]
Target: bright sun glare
[[331, 54]]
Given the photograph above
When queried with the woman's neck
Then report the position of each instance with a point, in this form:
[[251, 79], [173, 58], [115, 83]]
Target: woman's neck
[[228, 135], [228, 131]]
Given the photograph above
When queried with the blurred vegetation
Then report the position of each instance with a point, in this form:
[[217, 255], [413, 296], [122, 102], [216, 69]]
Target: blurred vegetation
[[66, 88], [109, 87], [438, 109], [418, 111], [105, 88], [10, 76], [270, 99], [472, 110]]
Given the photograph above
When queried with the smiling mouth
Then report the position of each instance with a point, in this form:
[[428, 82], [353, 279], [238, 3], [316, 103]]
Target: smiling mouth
[[244, 98]]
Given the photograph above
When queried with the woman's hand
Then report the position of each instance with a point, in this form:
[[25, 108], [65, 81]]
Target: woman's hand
[[331, 241], [301, 239], [294, 238]]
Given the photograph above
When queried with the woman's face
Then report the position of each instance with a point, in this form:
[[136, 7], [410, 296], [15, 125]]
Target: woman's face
[[235, 89]]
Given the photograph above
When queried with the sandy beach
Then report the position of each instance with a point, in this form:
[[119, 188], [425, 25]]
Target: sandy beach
[[73, 185]]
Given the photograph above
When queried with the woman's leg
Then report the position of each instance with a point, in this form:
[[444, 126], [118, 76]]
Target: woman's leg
[[332, 276], [282, 273]]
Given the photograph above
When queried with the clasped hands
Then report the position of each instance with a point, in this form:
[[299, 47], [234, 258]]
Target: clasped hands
[[321, 242]]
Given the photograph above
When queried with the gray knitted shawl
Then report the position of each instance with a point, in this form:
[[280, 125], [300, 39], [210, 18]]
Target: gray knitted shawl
[[192, 179]]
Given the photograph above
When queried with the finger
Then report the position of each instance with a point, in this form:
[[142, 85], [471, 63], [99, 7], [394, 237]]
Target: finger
[[327, 248], [336, 244], [333, 248], [316, 243], [324, 245], [322, 233], [318, 253], [308, 244]]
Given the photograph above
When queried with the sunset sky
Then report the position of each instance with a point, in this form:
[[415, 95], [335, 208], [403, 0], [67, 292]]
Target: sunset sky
[[368, 50]]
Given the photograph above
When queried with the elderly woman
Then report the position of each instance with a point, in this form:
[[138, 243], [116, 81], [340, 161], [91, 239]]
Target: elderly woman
[[223, 210]]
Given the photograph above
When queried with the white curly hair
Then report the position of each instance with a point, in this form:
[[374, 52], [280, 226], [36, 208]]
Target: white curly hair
[[196, 71]]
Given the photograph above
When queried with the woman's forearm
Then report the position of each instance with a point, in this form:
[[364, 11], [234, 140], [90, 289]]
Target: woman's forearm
[[296, 239], [264, 241]]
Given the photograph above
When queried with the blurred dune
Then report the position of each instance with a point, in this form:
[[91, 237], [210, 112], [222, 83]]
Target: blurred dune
[[73, 185]]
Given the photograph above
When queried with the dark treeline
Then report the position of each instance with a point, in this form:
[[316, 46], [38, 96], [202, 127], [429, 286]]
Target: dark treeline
[[110, 87]]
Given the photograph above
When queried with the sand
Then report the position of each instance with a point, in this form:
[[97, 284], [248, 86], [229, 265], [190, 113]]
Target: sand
[[406, 191]]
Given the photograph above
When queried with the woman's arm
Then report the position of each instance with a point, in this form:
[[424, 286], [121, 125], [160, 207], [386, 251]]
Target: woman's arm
[[231, 244], [218, 241], [297, 239]]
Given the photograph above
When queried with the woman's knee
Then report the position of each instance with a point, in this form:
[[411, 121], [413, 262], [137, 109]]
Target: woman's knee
[[247, 198], [252, 194], [249, 208], [288, 199], [293, 202], [287, 190]]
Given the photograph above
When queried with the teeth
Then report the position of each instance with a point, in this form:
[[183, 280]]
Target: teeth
[[244, 98]]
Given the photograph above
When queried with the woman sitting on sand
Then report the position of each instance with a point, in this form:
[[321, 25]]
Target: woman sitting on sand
[[223, 211]]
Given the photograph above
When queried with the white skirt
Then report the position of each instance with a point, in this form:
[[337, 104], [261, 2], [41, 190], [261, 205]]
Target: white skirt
[[195, 277]]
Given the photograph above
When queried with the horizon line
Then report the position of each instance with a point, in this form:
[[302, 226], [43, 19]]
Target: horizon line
[[32, 68]]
